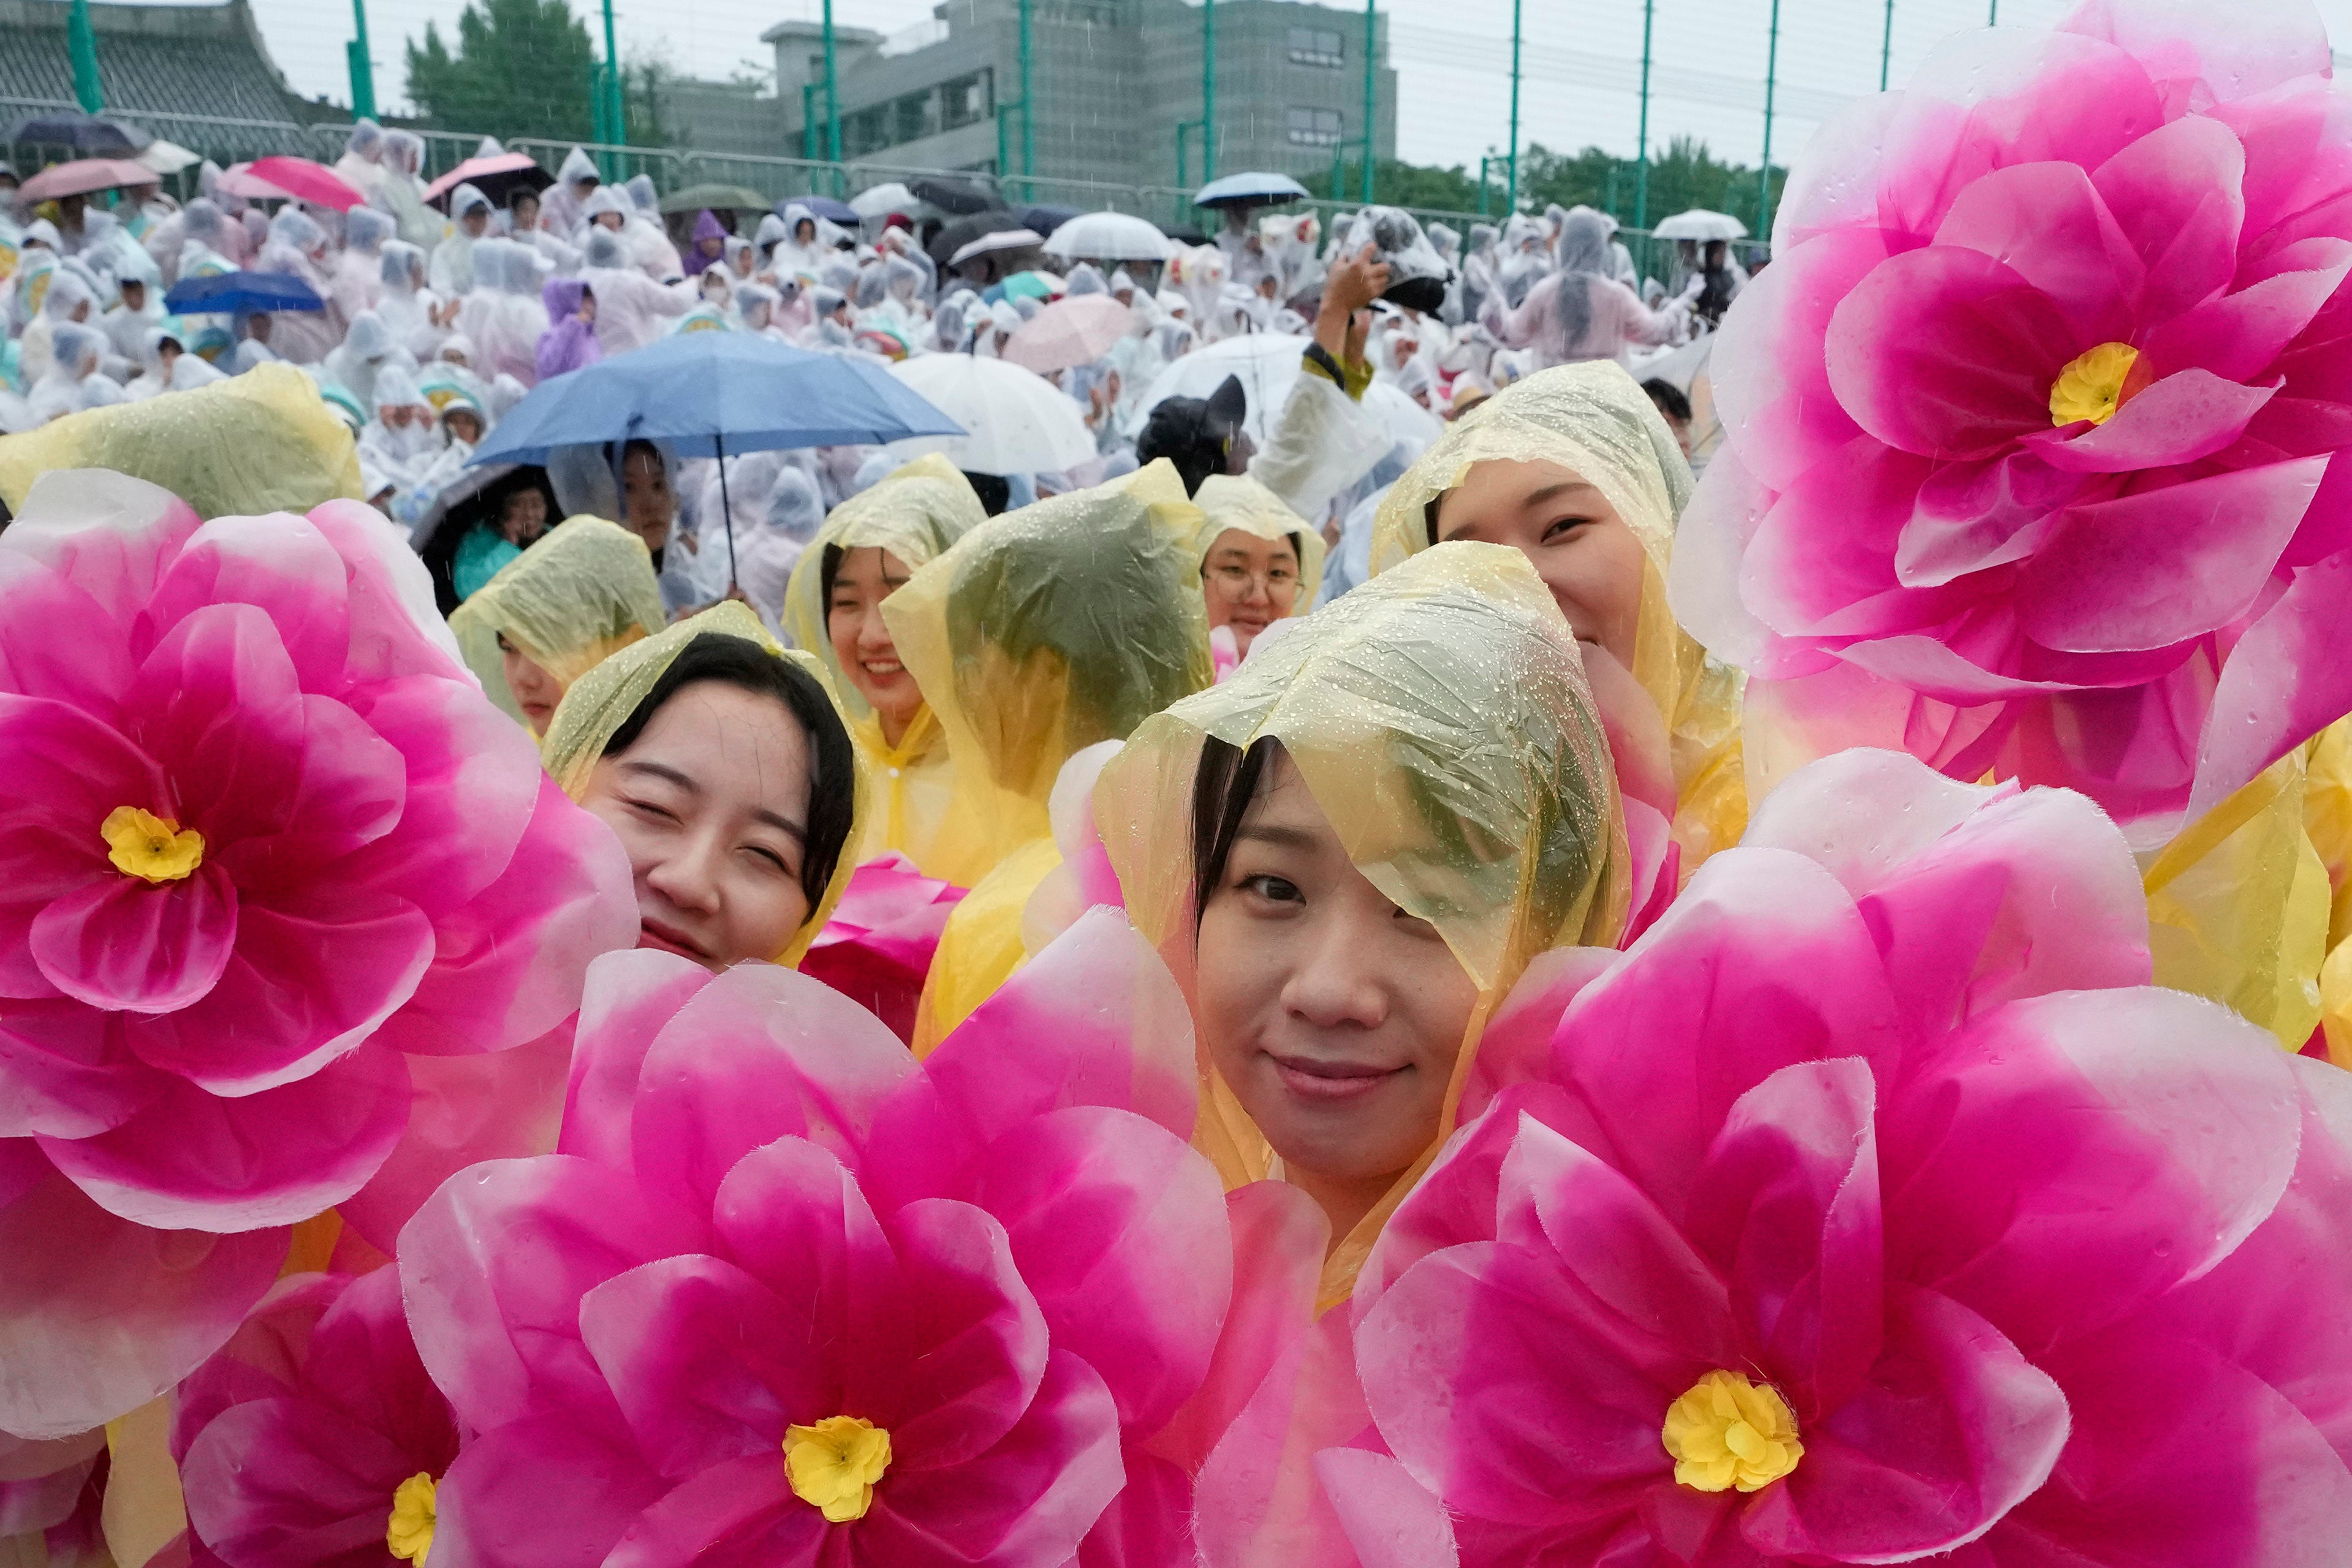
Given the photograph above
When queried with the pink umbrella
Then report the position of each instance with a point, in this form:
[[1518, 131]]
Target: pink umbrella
[[307, 181], [1073, 331], [496, 177], [84, 175]]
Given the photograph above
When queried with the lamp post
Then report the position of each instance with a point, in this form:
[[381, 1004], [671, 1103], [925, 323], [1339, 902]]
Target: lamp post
[[1642, 179], [363, 71]]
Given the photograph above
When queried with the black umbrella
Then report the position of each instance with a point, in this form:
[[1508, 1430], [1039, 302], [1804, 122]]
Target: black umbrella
[[90, 134], [961, 232], [954, 196], [1046, 219]]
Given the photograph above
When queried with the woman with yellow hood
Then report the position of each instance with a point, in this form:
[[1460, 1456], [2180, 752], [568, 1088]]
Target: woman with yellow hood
[[1260, 562], [1574, 468], [1351, 852], [580, 593], [1041, 633], [866, 550], [721, 763]]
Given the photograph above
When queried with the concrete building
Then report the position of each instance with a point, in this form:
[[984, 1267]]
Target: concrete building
[[1114, 81], [720, 116], [156, 61]]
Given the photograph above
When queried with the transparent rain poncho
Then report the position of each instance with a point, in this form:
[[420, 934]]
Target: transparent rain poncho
[[1230, 501], [580, 593], [1441, 719], [261, 442], [916, 513], [1594, 419], [1039, 633], [601, 701]]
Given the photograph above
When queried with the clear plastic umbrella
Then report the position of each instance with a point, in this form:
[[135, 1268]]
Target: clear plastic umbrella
[[1014, 421], [1109, 236], [1701, 225]]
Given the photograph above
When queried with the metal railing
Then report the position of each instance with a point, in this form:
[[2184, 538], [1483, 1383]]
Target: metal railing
[[226, 139]]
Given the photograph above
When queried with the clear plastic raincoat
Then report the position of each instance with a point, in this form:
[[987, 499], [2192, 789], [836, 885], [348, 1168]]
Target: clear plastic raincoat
[[1441, 719], [584, 591], [601, 701], [916, 513], [1594, 419], [1040, 633]]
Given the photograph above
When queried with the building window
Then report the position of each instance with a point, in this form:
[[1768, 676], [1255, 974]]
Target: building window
[[966, 99], [1312, 127], [1316, 47]]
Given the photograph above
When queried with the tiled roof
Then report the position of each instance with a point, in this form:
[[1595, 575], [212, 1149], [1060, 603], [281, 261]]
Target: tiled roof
[[197, 60]]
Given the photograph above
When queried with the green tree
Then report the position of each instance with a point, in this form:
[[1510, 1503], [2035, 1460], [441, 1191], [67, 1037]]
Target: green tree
[[1400, 185], [1687, 176], [520, 68]]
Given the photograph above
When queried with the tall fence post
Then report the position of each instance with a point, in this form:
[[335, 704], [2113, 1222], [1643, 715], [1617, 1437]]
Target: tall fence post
[[1642, 180], [363, 68], [1208, 90], [1764, 174], [1886, 47], [1371, 96], [1511, 201], [81, 43]]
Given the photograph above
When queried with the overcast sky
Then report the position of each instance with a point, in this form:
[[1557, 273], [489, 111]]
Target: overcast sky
[[1580, 58]]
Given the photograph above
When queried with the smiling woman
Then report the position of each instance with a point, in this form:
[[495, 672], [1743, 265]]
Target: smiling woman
[[1351, 852], [721, 764]]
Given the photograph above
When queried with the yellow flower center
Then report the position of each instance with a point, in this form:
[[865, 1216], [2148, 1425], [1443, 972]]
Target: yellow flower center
[[1728, 1432], [836, 1463], [2092, 385], [410, 1533], [153, 848]]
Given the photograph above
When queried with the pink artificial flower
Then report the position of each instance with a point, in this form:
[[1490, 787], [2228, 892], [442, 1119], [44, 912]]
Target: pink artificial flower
[[1878, 1209], [782, 1297], [263, 839], [2032, 427], [43, 1484], [876, 949], [313, 1438]]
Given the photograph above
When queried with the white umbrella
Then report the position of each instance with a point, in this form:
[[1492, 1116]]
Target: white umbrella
[[1267, 364], [167, 157], [1109, 236], [1004, 239], [1016, 420], [1701, 225], [893, 197]]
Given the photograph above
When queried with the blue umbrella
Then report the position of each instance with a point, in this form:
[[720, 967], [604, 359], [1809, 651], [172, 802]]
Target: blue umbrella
[[1250, 189], [236, 293], [709, 393], [825, 207]]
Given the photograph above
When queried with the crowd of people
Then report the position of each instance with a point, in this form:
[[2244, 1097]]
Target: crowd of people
[[1470, 966]]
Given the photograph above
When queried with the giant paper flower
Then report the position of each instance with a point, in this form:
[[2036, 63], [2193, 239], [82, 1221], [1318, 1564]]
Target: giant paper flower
[[262, 837], [2032, 427], [1874, 1213], [781, 1297], [313, 1438]]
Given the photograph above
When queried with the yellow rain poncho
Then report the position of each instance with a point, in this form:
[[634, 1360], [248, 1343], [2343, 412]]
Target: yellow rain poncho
[[601, 701], [1229, 501], [579, 594], [1441, 719], [261, 442], [1041, 633], [915, 514], [1594, 419]]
